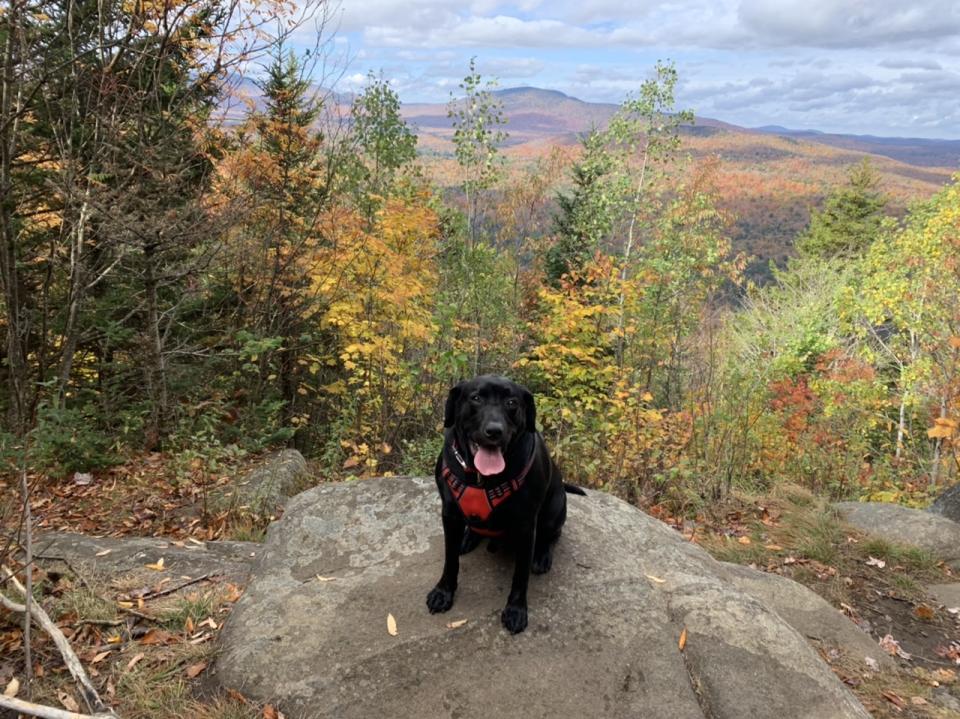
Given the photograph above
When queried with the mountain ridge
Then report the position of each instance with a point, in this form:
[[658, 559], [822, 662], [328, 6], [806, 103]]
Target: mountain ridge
[[538, 114]]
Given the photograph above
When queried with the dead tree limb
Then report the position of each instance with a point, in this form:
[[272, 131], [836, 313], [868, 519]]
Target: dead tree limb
[[177, 588], [45, 712], [87, 690]]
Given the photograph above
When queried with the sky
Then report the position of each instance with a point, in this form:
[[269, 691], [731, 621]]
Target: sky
[[882, 67]]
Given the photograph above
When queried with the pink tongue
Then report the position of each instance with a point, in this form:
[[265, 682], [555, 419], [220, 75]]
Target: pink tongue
[[488, 461]]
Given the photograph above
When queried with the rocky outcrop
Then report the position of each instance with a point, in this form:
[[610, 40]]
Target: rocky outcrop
[[903, 525], [631, 621], [112, 556], [948, 504], [265, 489]]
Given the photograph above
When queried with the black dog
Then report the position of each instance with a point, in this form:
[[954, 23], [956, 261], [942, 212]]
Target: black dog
[[496, 479]]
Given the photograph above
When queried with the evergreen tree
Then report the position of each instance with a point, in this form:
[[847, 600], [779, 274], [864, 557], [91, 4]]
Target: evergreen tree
[[850, 219], [585, 217]]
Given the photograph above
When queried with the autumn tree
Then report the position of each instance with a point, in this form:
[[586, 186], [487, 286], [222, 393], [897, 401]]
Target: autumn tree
[[281, 176], [108, 111]]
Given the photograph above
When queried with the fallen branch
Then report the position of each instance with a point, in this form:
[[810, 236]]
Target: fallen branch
[[171, 590], [87, 690], [45, 712]]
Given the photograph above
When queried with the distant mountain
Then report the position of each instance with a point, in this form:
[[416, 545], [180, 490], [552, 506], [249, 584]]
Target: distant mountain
[[768, 178], [538, 115], [912, 150]]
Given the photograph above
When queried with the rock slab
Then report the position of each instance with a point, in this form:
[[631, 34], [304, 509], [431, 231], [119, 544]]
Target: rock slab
[[948, 504], [903, 525], [110, 556], [264, 490], [311, 636]]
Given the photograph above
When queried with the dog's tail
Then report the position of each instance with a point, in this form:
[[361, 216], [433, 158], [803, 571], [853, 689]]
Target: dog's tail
[[574, 489]]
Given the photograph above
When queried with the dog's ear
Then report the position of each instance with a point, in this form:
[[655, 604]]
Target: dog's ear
[[530, 410], [450, 410]]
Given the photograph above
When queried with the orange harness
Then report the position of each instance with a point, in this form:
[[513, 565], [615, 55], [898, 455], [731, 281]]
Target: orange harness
[[477, 503]]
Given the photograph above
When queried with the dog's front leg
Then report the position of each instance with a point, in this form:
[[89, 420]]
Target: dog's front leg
[[514, 615], [440, 598]]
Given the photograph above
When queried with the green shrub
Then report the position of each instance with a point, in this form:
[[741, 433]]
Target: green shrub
[[69, 440]]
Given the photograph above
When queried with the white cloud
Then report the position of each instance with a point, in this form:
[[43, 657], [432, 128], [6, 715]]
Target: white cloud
[[849, 24]]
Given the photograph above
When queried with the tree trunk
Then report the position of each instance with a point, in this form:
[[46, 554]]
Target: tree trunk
[[10, 92], [156, 377], [77, 290]]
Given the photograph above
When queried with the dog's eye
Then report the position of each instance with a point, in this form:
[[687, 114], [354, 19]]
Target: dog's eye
[[475, 398], [512, 403]]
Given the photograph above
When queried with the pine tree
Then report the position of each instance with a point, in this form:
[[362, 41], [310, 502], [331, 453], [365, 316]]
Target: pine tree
[[850, 219], [585, 217]]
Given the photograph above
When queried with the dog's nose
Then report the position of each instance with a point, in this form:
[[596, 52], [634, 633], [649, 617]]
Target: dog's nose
[[494, 431]]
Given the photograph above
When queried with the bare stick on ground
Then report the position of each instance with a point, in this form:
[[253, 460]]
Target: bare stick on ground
[[177, 588], [87, 690], [45, 712]]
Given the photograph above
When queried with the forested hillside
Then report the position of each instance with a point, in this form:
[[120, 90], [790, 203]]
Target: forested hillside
[[768, 180], [175, 283]]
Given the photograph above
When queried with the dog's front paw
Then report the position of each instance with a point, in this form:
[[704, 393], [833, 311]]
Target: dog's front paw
[[514, 618], [439, 600]]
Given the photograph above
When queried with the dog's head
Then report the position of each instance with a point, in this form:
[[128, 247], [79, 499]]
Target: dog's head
[[489, 413]]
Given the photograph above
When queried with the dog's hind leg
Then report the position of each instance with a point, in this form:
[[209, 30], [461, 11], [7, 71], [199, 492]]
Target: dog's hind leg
[[543, 552], [471, 540]]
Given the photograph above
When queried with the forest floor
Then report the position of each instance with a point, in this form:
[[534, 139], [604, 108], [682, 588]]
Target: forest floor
[[148, 650]]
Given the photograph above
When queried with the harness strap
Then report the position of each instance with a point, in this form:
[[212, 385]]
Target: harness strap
[[477, 503]]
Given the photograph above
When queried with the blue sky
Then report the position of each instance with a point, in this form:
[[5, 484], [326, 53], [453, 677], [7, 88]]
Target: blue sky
[[863, 66]]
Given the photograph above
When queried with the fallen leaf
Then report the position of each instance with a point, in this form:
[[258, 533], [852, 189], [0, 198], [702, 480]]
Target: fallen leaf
[[391, 625], [158, 566], [325, 579], [269, 712], [773, 547], [233, 593], [656, 579], [194, 670], [683, 639], [874, 562], [872, 663], [894, 699], [114, 639], [12, 688], [188, 625], [100, 657], [456, 624], [155, 636], [892, 647], [744, 540], [924, 612], [133, 662], [237, 696], [918, 701], [69, 703], [103, 553]]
